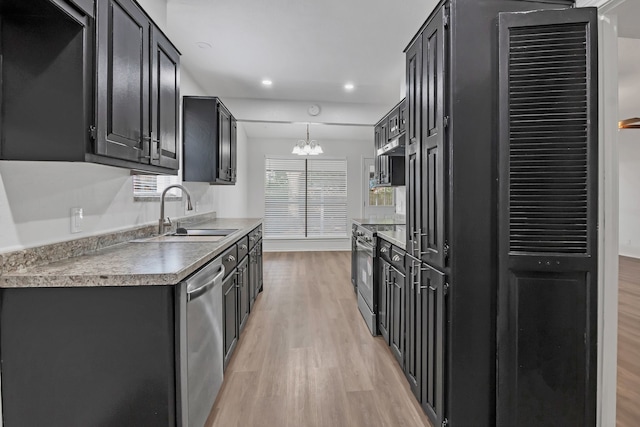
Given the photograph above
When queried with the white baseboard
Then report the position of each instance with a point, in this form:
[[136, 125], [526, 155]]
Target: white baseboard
[[630, 251]]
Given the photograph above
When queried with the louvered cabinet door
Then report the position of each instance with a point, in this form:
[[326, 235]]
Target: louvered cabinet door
[[548, 201]]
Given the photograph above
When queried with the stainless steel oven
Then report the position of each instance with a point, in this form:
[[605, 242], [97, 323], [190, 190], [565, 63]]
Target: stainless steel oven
[[364, 261]]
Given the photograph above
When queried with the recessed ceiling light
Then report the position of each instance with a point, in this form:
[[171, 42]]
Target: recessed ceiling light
[[267, 82], [203, 45], [349, 86]]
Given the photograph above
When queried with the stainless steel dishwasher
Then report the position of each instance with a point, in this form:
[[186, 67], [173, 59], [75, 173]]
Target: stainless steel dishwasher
[[204, 342]]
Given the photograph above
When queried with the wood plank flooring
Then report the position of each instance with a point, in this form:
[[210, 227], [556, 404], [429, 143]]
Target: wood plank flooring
[[306, 358], [628, 396]]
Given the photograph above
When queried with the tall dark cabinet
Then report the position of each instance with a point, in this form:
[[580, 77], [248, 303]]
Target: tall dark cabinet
[[459, 320], [548, 216]]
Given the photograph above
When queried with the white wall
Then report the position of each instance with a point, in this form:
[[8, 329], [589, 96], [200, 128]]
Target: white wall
[[353, 151], [232, 201]]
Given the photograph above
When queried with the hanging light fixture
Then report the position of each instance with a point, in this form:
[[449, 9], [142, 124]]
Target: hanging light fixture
[[308, 147]]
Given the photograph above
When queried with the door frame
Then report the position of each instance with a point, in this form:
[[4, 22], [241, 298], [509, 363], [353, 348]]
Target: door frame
[[608, 246]]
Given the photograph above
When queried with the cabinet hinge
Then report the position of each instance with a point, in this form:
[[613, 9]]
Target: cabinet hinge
[[446, 249], [445, 423], [92, 132], [446, 121], [445, 290], [445, 18]]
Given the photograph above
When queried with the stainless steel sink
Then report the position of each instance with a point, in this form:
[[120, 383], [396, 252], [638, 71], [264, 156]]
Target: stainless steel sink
[[204, 231], [191, 235]]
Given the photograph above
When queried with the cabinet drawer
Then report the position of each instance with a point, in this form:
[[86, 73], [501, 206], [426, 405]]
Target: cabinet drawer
[[385, 250], [255, 236], [230, 259], [397, 258], [243, 247]]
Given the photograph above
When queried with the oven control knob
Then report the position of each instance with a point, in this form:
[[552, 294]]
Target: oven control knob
[[360, 234], [368, 239]]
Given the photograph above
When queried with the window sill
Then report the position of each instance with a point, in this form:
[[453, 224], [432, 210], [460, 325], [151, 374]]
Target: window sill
[[156, 198]]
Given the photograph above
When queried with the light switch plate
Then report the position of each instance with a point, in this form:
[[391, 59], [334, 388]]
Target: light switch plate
[[76, 220]]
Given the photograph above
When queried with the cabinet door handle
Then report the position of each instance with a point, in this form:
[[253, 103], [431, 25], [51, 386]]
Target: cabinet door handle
[[231, 258], [243, 247], [396, 258], [383, 250]]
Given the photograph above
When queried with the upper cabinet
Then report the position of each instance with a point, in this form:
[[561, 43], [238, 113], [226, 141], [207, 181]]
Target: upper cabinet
[[97, 82], [137, 87], [209, 141], [389, 147]]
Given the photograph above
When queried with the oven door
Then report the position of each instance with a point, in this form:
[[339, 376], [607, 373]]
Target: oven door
[[364, 276], [354, 263]]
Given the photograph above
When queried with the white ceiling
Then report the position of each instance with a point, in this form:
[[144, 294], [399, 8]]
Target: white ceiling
[[309, 49], [296, 131]]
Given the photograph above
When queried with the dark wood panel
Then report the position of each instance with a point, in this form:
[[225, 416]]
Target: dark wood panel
[[88, 356]]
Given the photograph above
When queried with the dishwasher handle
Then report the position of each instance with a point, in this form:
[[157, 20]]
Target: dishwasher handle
[[191, 295]]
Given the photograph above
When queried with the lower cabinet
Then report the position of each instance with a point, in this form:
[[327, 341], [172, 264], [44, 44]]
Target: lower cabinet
[[412, 319], [89, 356], [240, 290], [242, 279], [230, 316], [384, 299], [397, 327]]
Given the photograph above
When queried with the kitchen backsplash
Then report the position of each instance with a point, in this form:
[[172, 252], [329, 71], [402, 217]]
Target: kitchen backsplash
[[401, 200]]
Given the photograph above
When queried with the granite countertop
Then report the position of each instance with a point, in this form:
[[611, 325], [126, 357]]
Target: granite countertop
[[380, 221], [397, 237], [141, 262]]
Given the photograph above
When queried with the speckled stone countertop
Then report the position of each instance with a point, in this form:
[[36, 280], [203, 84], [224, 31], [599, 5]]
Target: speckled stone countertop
[[135, 263], [399, 220], [397, 237]]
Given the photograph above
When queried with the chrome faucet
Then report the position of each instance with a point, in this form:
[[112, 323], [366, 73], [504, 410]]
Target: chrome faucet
[[162, 223]]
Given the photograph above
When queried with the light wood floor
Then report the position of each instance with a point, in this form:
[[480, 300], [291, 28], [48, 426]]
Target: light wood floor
[[628, 402], [306, 358]]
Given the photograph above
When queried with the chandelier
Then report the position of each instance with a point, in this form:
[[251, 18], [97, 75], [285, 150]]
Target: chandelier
[[308, 147]]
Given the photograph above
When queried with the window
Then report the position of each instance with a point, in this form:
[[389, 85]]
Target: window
[[305, 198], [152, 186]]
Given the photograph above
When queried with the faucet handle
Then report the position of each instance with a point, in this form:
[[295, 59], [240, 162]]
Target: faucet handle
[[167, 221]]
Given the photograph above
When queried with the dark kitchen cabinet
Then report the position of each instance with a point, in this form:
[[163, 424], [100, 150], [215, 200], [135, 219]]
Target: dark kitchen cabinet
[[230, 316], [384, 298], [116, 72], [137, 90], [165, 101], [255, 272], [397, 314], [47, 50], [244, 296], [90, 356], [389, 149], [453, 219], [426, 236], [209, 141], [548, 219]]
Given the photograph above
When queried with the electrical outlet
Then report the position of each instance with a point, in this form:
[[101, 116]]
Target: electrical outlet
[[76, 220]]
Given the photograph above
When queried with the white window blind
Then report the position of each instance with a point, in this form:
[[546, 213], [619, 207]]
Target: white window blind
[[305, 198], [154, 185]]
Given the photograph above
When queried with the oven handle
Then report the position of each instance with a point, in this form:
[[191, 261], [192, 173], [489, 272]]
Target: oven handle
[[365, 247]]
